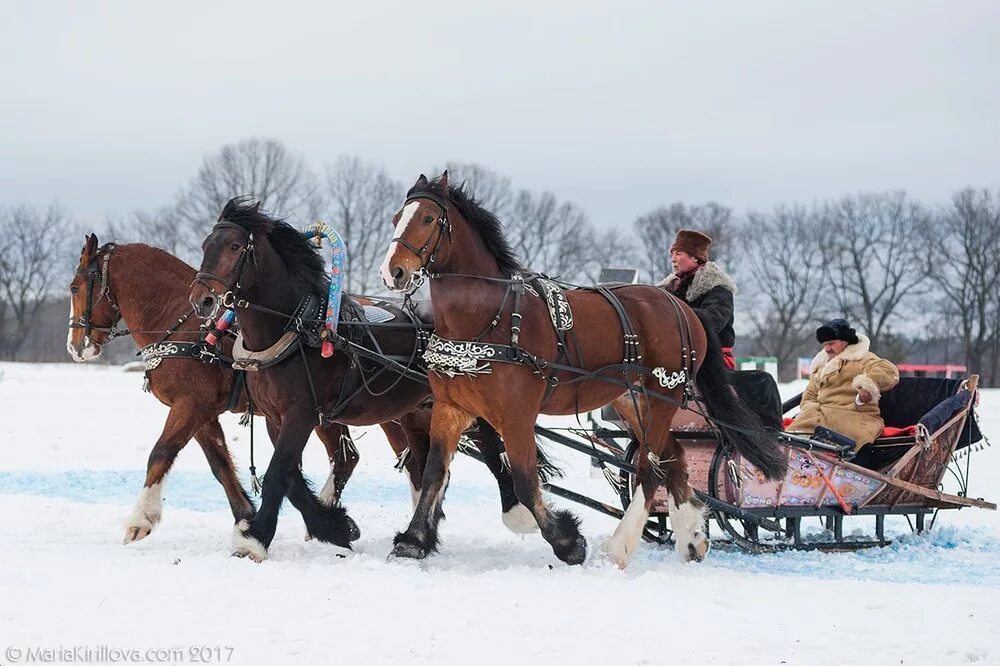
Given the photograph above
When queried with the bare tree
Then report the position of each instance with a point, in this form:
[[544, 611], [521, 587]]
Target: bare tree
[[492, 190], [361, 199], [658, 228], [549, 236], [163, 229], [32, 259], [609, 249], [965, 266], [876, 260], [263, 168], [787, 280]]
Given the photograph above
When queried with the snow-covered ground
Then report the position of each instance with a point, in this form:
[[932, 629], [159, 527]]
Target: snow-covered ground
[[73, 447]]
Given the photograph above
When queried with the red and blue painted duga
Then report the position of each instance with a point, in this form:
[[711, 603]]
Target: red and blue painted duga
[[317, 232]]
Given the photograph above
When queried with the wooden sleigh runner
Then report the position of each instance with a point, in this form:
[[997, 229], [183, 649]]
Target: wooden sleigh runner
[[899, 475]]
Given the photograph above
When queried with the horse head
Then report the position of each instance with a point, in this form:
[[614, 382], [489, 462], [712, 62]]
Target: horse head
[[226, 252], [422, 225], [91, 302]]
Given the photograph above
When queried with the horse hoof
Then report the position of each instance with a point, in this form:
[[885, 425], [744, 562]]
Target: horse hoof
[[353, 531], [249, 554], [136, 533], [245, 545], [694, 550], [409, 551], [576, 553], [615, 553]]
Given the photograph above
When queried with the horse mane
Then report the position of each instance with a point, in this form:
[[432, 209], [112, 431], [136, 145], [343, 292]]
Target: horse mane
[[491, 229], [298, 254]]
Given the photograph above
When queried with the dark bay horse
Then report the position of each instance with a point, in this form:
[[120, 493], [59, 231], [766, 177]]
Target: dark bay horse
[[147, 289], [267, 269], [486, 361]]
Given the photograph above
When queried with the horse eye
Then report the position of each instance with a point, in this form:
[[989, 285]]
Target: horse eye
[[74, 289], [234, 247], [428, 219]]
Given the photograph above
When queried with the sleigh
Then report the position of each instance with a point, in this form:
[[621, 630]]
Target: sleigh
[[897, 475]]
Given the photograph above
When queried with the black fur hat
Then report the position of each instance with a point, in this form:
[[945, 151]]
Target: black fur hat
[[836, 329]]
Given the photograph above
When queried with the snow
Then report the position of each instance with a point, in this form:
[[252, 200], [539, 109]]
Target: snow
[[74, 441]]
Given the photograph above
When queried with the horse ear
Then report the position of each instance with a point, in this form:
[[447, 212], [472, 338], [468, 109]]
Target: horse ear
[[421, 181], [443, 180], [91, 247]]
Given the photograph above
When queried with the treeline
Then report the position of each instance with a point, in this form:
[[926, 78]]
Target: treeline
[[921, 279]]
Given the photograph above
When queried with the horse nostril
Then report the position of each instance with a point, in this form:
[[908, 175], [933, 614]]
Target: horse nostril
[[207, 302], [397, 273]]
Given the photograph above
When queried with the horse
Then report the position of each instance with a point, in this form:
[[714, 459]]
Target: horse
[[146, 288], [510, 345], [269, 273]]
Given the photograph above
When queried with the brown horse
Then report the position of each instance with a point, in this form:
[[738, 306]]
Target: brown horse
[[147, 288], [269, 271], [498, 355]]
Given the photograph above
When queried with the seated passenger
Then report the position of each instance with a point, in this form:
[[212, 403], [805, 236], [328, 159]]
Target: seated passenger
[[845, 386]]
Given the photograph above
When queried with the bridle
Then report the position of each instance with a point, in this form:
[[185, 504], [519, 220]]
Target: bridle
[[98, 271], [231, 281], [443, 228]]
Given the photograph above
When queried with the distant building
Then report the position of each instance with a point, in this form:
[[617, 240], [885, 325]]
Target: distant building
[[768, 364]]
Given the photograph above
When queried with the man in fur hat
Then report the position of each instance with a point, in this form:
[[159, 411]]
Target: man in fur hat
[[845, 386], [704, 286]]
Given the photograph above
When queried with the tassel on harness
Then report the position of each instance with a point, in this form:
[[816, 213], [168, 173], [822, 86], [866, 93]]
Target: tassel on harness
[[247, 420], [403, 458]]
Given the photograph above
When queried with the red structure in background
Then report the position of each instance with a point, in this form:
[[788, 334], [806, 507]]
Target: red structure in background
[[942, 370]]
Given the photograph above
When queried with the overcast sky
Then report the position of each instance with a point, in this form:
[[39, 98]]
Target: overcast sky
[[619, 107]]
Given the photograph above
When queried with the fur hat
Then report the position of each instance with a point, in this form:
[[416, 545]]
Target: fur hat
[[693, 243], [836, 329]]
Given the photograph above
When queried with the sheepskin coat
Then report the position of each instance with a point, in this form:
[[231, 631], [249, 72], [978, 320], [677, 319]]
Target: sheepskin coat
[[830, 399], [709, 291]]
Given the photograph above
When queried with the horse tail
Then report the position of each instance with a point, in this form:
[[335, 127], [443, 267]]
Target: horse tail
[[738, 423]]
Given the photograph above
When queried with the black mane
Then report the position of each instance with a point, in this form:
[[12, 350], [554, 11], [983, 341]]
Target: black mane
[[299, 255], [490, 229]]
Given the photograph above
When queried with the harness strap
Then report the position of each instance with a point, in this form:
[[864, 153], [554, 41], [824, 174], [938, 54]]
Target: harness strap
[[239, 381]]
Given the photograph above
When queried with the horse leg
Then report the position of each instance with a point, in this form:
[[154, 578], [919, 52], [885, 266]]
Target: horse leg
[[410, 437], [252, 537], [421, 537], [516, 517], [213, 443], [560, 528], [343, 457], [182, 422], [661, 461]]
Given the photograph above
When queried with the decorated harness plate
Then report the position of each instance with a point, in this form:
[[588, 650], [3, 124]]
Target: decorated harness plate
[[457, 357], [153, 354], [558, 304]]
